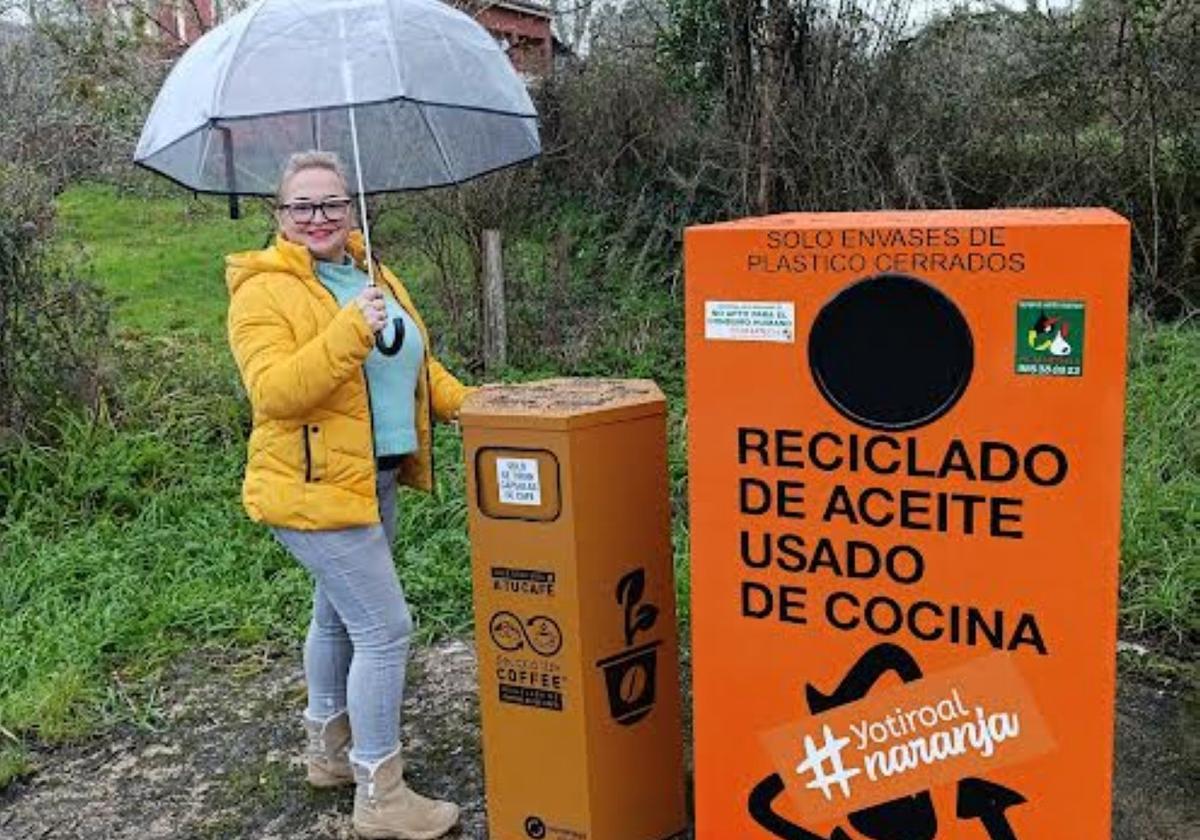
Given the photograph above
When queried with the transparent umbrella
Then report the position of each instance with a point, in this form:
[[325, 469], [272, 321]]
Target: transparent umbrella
[[415, 93]]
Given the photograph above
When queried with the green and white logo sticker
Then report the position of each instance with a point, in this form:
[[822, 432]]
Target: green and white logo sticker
[[1050, 337]]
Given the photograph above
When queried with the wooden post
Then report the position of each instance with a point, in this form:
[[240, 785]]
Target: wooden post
[[495, 320]]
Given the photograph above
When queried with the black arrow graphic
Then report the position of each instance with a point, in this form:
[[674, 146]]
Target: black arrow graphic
[[908, 818], [762, 801], [867, 671], [979, 799]]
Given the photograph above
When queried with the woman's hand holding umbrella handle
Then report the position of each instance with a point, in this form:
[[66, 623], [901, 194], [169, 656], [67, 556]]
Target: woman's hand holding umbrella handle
[[370, 301]]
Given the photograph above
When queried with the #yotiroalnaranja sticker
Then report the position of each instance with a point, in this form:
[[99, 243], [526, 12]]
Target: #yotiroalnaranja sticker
[[1049, 337], [954, 724]]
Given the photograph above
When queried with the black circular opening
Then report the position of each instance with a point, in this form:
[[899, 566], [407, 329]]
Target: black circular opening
[[891, 352]]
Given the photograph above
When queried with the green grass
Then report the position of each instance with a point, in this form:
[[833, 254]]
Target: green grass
[[1160, 547], [126, 544], [14, 763], [161, 260]]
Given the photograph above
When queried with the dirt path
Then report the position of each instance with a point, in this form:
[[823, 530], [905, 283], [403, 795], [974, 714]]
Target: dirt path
[[224, 763]]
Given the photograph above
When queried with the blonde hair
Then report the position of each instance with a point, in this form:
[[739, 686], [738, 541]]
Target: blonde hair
[[311, 159]]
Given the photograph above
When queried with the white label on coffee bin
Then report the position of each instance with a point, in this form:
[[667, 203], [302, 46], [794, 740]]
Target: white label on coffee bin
[[732, 320], [519, 481]]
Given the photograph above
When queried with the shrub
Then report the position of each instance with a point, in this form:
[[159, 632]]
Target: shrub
[[53, 321]]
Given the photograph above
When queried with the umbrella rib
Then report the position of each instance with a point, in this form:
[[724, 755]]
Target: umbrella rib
[[203, 156], [395, 59], [437, 141], [303, 20], [219, 93], [453, 55]]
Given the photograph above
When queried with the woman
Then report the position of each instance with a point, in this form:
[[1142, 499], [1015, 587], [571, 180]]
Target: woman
[[336, 425]]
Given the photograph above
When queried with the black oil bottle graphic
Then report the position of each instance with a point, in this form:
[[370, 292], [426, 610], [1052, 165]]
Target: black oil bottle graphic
[[630, 676]]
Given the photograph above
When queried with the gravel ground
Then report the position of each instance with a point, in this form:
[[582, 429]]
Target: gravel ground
[[223, 761]]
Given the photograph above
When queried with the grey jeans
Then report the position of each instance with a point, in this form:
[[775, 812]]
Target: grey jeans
[[357, 647]]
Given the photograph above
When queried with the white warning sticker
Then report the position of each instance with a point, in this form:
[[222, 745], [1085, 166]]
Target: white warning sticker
[[519, 481], [732, 320]]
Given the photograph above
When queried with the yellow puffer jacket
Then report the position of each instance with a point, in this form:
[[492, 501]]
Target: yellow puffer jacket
[[311, 461]]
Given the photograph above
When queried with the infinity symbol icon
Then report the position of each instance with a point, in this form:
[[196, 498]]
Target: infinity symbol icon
[[541, 633]]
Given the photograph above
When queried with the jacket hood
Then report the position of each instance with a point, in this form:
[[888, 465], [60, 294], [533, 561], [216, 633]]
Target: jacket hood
[[281, 256]]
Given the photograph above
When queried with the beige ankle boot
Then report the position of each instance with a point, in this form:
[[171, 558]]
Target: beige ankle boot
[[327, 753], [385, 807]]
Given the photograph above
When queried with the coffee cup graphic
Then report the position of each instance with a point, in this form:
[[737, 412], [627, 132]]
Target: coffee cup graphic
[[631, 676]]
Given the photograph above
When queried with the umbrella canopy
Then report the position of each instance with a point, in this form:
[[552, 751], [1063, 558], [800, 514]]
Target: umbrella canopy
[[415, 92]]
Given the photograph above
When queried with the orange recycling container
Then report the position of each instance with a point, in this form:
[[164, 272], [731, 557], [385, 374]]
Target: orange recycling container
[[905, 449], [575, 610]]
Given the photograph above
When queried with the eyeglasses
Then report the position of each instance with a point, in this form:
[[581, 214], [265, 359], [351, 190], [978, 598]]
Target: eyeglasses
[[304, 212]]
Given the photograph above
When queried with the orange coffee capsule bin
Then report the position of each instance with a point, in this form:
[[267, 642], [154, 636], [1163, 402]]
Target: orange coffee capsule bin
[[575, 610], [905, 448]]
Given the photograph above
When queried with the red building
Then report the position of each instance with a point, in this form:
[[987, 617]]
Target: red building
[[186, 20], [522, 28], [174, 23]]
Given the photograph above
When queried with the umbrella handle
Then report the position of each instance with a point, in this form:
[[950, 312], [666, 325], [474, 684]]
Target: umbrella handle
[[393, 347]]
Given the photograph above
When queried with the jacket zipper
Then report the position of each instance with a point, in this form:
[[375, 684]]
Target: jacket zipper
[[370, 418], [432, 448], [307, 456]]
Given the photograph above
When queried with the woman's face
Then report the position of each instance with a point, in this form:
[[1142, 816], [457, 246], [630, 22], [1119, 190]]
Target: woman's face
[[315, 211]]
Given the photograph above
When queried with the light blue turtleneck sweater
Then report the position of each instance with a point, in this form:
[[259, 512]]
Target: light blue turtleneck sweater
[[392, 380]]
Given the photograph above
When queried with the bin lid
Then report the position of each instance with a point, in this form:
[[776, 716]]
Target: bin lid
[[562, 404], [996, 217]]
